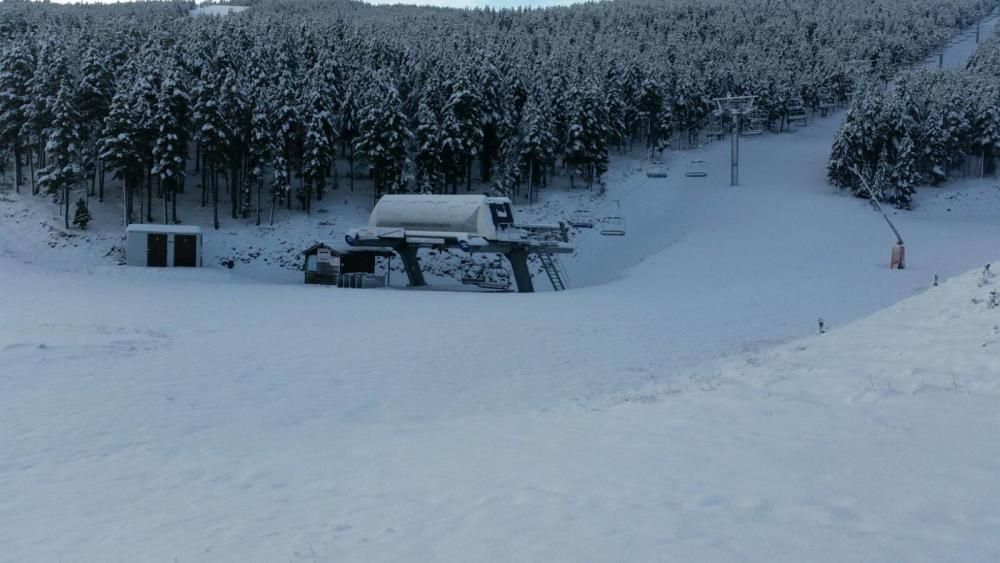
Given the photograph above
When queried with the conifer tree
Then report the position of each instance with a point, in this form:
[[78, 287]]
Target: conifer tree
[[170, 144], [463, 127], [81, 217], [120, 144], [537, 144], [382, 139], [94, 102], [16, 68], [63, 169], [213, 136], [427, 151]]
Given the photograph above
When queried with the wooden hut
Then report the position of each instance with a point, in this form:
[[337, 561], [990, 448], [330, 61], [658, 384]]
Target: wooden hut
[[325, 265]]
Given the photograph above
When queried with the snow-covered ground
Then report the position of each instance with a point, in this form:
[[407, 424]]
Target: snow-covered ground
[[666, 409], [162, 416], [961, 47]]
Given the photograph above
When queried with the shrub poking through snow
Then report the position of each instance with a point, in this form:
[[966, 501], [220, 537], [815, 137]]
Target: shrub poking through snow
[[82, 216]]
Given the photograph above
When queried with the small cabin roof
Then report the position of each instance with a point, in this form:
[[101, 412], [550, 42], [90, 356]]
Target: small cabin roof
[[312, 250], [477, 199], [166, 229]]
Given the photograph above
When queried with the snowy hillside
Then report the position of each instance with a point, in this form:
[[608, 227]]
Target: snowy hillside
[[162, 416], [677, 403]]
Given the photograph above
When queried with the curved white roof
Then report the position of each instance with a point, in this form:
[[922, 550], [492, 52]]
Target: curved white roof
[[166, 229]]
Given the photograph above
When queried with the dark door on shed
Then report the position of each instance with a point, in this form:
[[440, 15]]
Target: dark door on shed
[[357, 263], [156, 250], [185, 251]]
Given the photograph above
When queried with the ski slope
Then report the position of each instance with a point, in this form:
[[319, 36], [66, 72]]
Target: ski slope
[[673, 407], [183, 417]]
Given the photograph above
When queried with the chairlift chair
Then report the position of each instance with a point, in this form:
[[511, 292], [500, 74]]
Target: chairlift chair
[[827, 101], [614, 226], [696, 169], [716, 128], [753, 124], [656, 171], [486, 276], [581, 219], [796, 113]]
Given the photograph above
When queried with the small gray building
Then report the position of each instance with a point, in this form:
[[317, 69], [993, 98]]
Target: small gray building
[[161, 246], [352, 268]]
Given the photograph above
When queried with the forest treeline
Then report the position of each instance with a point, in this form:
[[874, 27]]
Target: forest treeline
[[929, 123], [260, 106]]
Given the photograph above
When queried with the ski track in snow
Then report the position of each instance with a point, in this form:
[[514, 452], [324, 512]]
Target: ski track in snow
[[660, 412]]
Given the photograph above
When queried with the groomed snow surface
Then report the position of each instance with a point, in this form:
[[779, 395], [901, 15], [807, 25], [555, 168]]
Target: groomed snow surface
[[177, 416]]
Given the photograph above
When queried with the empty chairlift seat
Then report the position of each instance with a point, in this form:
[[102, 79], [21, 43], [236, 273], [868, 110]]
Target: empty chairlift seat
[[696, 169], [581, 219], [486, 276], [614, 225], [796, 114], [753, 124], [656, 171]]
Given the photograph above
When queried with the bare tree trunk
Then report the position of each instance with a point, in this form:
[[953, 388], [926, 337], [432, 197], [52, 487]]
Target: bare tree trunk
[[350, 163], [165, 190], [100, 186], [142, 208], [127, 199], [17, 168], [31, 172], [93, 181], [204, 186], [531, 178], [235, 187], [274, 200], [149, 195], [173, 200], [214, 178]]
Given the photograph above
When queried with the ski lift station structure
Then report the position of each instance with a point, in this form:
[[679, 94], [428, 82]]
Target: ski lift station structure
[[406, 223]]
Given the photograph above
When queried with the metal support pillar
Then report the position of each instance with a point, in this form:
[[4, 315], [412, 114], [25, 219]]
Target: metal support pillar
[[411, 265], [735, 157], [522, 275]]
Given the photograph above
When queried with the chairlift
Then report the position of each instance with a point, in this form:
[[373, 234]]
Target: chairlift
[[656, 171], [614, 226], [754, 124], [827, 101], [581, 219], [696, 169], [486, 276], [796, 113]]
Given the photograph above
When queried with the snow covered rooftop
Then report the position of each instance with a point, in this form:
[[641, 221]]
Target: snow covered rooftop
[[168, 229]]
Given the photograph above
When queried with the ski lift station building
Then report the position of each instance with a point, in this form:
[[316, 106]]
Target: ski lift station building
[[162, 246], [472, 223]]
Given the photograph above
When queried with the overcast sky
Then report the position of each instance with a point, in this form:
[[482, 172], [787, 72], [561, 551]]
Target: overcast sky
[[446, 3], [477, 3]]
